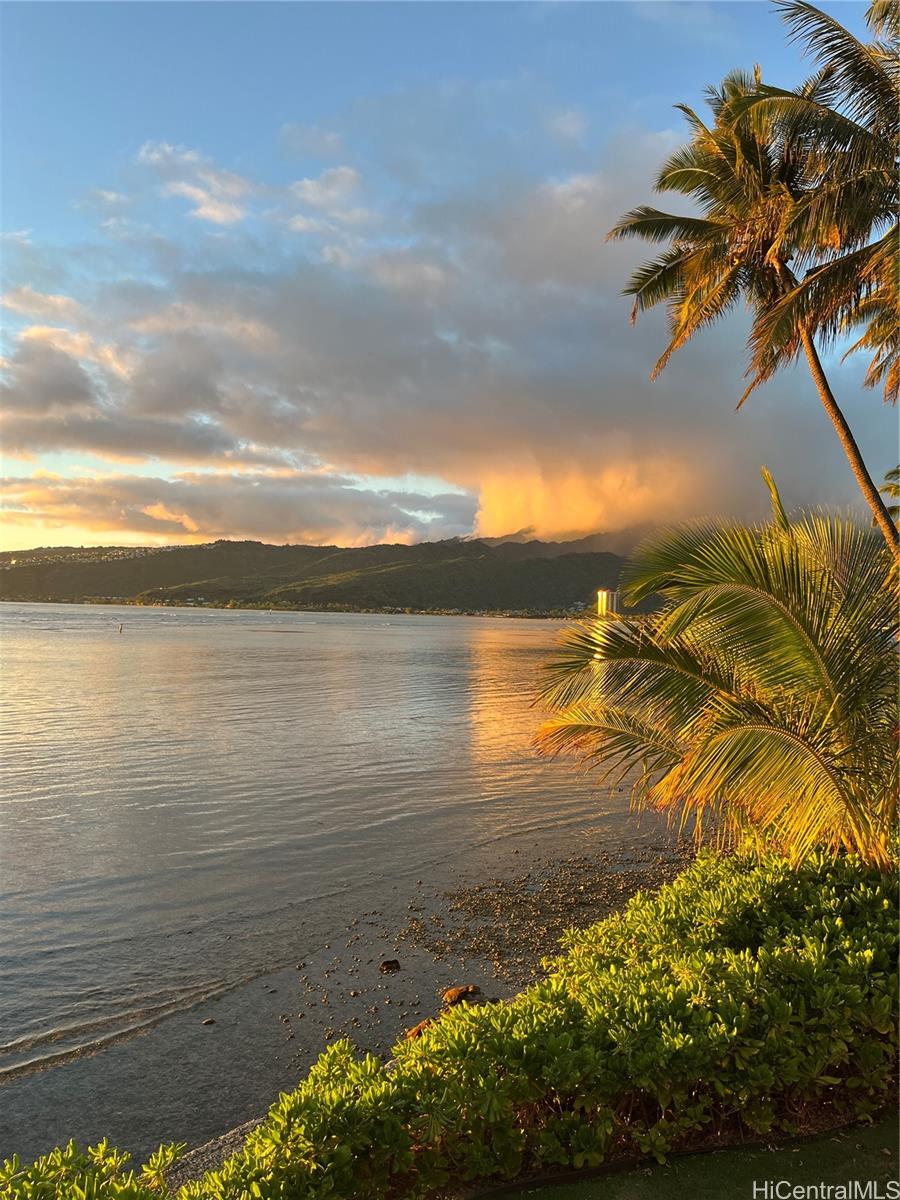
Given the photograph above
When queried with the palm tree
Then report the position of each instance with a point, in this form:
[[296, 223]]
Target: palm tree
[[762, 697], [847, 216], [753, 192], [891, 489]]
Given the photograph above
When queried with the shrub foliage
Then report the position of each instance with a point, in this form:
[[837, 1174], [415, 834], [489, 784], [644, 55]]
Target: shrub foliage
[[739, 996]]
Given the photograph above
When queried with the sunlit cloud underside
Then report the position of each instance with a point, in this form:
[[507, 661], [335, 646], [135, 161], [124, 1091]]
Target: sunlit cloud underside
[[407, 329]]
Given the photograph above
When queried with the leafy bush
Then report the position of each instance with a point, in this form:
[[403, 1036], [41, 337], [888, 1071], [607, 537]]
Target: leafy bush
[[743, 991], [98, 1173]]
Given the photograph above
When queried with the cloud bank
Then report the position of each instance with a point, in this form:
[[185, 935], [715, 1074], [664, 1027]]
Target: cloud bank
[[381, 347]]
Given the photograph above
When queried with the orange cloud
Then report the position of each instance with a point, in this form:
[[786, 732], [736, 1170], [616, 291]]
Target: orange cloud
[[302, 507], [159, 512], [557, 502]]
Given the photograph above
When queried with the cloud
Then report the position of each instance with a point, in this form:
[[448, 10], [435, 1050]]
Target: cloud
[[183, 440], [304, 224], [424, 275], [80, 346], [329, 195], [283, 507], [107, 203], [110, 198], [214, 322], [207, 206], [218, 196], [41, 378], [64, 392], [166, 157], [30, 303], [337, 256], [475, 334], [573, 499], [329, 190]]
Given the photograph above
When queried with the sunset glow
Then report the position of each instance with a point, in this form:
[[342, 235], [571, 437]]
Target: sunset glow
[[212, 335]]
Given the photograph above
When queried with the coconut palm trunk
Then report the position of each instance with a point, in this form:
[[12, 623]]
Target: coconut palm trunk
[[847, 440], [752, 189], [842, 429]]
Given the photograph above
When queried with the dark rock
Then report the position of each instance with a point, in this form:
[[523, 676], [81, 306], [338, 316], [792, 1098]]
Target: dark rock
[[209, 1021], [388, 966]]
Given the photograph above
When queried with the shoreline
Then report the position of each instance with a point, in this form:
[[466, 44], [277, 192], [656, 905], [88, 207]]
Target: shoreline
[[502, 614], [286, 840], [517, 921], [492, 933]]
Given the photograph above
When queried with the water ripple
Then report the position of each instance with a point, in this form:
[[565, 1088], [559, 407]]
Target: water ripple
[[176, 800]]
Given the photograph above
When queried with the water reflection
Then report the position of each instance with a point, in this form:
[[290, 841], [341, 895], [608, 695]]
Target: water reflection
[[182, 802]]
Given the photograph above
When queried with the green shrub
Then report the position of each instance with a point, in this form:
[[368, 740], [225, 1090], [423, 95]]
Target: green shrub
[[98, 1173], [744, 990]]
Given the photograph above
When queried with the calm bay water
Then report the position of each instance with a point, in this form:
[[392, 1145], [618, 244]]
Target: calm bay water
[[179, 798]]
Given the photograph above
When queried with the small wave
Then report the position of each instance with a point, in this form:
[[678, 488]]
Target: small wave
[[91, 1036]]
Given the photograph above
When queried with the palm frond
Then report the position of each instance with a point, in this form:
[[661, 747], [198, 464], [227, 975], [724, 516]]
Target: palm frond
[[762, 695], [891, 488], [833, 298], [883, 18], [655, 226], [866, 83], [656, 281]]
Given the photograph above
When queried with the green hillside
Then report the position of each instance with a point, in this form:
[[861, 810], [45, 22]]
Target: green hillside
[[461, 575]]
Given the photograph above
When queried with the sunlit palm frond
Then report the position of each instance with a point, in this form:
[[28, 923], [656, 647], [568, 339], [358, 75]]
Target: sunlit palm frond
[[656, 282], [878, 313], [615, 741], [655, 226], [706, 298], [863, 75], [762, 694], [618, 663], [891, 488], [812, 121], [857, 288], [883, 18], [891, 485]]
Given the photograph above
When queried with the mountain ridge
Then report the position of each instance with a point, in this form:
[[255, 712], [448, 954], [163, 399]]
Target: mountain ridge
[[622, 542], [456, 575]]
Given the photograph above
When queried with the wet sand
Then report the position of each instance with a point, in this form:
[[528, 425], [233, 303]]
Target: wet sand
[[493, 933]]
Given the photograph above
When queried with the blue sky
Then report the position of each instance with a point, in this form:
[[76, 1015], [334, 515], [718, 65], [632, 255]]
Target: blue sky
[[336, 272], [88, 83]]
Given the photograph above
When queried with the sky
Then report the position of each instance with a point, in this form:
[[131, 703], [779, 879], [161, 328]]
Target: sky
[[336, 273]]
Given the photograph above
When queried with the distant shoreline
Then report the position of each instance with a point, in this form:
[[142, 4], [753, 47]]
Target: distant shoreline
[[449, 578], [507, 614]]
